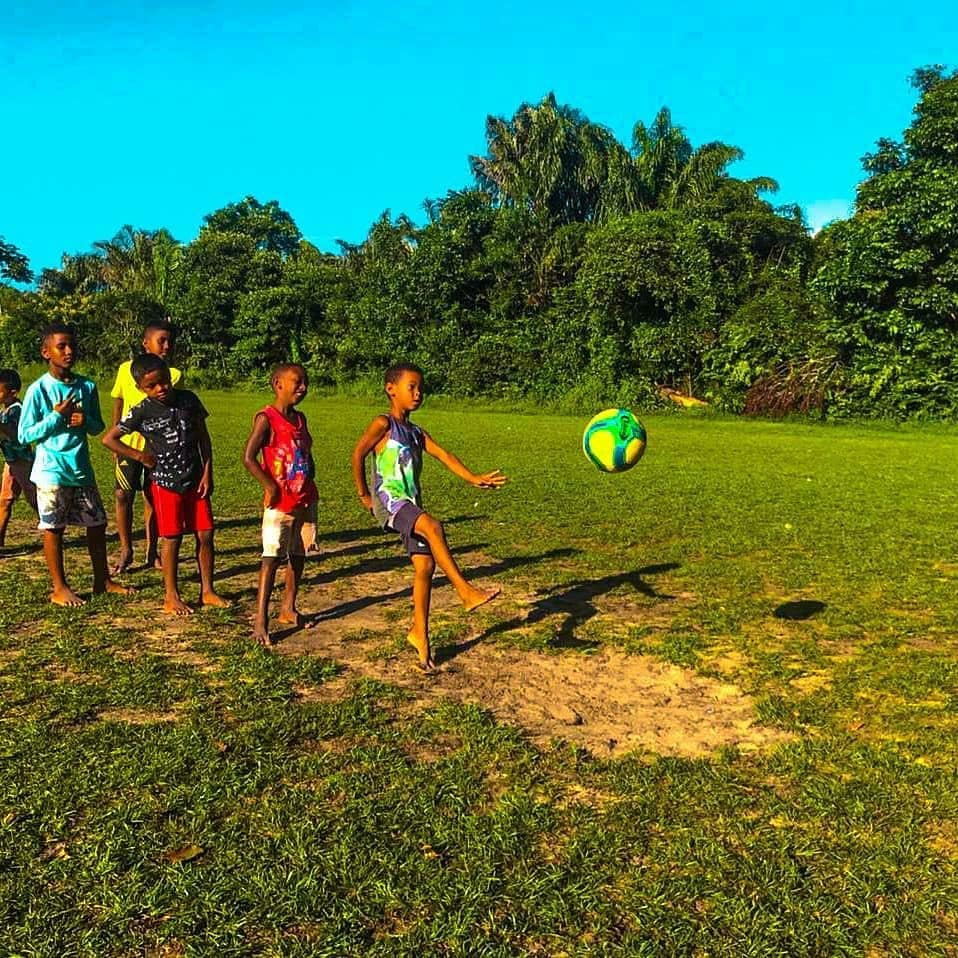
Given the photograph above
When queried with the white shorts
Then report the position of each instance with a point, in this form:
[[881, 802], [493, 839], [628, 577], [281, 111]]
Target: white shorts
[[61, 506], [289, 533]]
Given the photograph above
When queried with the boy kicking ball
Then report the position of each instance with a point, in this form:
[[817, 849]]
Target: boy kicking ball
[[396, 445]]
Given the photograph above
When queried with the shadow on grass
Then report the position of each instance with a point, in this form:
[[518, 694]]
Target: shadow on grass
[[493, 569], [799, 609], [19, 549], [379, 564], [373, 531], [576, 603], [369, 538]]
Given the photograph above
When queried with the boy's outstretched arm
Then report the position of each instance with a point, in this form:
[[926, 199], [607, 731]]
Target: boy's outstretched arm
[[258, 438], [488, 480], [368, 441]]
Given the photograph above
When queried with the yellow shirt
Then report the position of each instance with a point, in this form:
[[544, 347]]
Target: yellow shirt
[[125, 388]]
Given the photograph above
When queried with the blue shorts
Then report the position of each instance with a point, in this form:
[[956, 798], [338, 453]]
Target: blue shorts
[[403, 522]]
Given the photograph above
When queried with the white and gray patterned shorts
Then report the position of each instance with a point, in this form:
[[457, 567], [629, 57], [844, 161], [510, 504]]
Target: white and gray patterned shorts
[[289, 533], [61, 506]]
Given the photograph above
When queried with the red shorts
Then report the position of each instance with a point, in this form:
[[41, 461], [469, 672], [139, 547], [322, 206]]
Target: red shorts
[[179, 512]]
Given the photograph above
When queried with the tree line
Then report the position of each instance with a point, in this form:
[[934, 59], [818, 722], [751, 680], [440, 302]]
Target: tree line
[[574, 268]]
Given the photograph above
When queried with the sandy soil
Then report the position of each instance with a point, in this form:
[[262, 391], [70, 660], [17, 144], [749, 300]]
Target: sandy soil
[[591, 695], [603, 699]]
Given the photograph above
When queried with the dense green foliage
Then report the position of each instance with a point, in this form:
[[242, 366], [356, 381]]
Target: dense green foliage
[[575, 269]]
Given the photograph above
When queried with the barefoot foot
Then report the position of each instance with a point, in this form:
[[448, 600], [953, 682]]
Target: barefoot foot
[[292, 617], [217, 601], [261, 635], [421, 646], [65, 596], [115, 588], [174, 605], [476, 597]]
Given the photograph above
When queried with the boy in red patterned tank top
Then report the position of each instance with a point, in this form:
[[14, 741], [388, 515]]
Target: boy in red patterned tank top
[[281, 436]]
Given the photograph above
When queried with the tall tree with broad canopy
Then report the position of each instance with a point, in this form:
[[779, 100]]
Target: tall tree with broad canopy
[[270, 227], [13, 264], [889, 275]]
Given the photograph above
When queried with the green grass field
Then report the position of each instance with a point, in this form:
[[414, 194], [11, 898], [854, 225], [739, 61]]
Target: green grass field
[[175, 790]]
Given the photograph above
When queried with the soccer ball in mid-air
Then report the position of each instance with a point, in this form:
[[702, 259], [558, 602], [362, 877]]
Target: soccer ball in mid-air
[[614, 440]]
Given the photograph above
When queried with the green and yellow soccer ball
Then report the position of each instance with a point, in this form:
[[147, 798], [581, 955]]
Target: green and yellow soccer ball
[[614, 440]]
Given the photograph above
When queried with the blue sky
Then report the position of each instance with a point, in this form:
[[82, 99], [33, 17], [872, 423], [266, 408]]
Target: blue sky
[[157, 113]]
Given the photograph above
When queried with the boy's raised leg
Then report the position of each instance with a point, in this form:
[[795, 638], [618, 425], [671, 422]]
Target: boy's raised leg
[[205, 555], [267, 576], [96, 546], [62, 594], [172, 601], [431, 530], [424, 566]]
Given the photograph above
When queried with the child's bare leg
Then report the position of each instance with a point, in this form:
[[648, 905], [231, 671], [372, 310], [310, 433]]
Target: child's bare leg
[[288, 612], [205, 555], [96, 546], [423, 567], [6, 507], [172, 602], [124, 529], [152, 539], [431, 530], [267, 576], [62, 594]]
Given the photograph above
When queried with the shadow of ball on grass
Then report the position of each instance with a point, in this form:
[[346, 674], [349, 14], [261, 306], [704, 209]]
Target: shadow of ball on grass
[[799, 609]]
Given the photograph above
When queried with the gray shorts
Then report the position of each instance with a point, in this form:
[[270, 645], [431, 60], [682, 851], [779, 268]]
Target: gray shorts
[[61, 506], [403, 522]]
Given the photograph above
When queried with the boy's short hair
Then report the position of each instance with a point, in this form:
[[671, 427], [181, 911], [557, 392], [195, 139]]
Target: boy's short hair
[[394, 373], [160, 325], [281, 368], [57, 328], [147, 363], [11, 379]]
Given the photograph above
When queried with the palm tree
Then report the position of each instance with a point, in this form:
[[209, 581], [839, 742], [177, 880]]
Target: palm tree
[[78, 273], [549, 159], [553, 161], [133, 261], [672, 174], [127, 260]]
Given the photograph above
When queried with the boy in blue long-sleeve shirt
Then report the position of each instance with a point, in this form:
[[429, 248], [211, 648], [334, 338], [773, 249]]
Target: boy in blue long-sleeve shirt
[[60, 410]]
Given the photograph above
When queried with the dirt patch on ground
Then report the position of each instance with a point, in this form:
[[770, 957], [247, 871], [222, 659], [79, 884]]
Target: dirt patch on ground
[[586, 692], [137, 716], [603, 699]]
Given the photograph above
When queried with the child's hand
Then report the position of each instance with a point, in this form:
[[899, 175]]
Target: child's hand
[[204, 488], [148, 460], [77, 419], [367, 501], [66, 407], [490, 480], [271, 496]]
